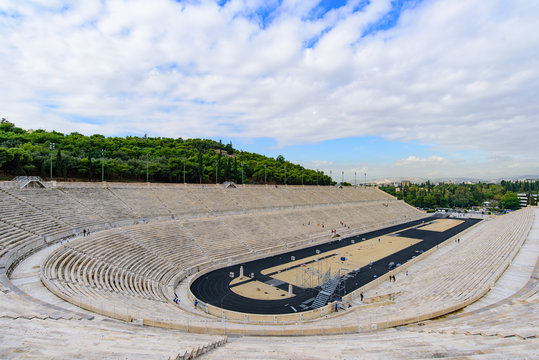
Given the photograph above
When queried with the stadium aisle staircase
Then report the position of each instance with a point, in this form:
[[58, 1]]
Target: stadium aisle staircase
[[325, 293]]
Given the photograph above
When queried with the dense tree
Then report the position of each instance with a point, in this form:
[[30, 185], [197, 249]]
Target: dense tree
[[19, 159], [79, 157], [462, 195], [510, 201], [5, 156]]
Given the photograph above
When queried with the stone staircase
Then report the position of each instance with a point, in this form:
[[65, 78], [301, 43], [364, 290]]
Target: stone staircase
[[199, 350]]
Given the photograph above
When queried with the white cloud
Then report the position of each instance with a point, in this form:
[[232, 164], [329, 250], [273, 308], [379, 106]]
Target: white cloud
[[456, 74], [411, 160], [322, 164]]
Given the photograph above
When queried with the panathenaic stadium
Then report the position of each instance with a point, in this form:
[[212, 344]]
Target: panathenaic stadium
[[155, 271]]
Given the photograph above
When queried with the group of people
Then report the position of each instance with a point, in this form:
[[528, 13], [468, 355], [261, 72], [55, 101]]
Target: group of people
[[177, 300], [333, 231], [392, 278], [86, 232]]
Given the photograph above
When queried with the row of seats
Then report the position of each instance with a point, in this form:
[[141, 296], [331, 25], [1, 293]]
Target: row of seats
[[139, 260], [502, 314], [82, 339], [110, 262], [83, 205], [132, 266], [237, 235], [386, 344], [72, 207], [437, 283], [454, 274], [53, 203], [28, 217], [12, 236], [126, 270]]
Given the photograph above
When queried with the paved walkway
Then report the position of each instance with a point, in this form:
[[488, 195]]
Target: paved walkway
[[25, 276], [517, 274]]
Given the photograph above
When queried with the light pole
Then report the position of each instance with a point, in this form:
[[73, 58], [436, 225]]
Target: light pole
[[365, 179], [216, 167], [285, 174], [342, 180], [102, 165], [355, 178], [317, 176], [242, 173], [147, 160], [301, 177], [265, 174], [51, 146]]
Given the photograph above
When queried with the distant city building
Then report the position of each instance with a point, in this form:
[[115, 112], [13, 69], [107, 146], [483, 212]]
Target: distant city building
[[524, 199]]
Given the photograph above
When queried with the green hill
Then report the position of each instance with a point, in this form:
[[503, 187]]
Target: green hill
[[75, 156]]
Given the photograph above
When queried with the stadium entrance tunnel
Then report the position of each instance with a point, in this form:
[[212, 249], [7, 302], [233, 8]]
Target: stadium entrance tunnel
[[355, 261]]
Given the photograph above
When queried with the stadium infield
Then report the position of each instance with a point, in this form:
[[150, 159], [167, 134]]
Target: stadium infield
[[264, 288]]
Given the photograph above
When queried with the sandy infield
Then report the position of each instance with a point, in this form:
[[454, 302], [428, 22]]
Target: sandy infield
[[255, 289], [356, 255], [441, 225]]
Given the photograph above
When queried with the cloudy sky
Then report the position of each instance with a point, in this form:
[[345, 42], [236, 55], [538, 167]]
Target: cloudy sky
[[432, 88]]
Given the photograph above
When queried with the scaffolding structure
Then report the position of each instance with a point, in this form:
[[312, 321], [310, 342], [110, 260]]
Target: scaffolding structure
[[313, 275]]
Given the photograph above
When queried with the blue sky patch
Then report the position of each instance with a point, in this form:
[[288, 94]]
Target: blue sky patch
[[347, 150], [310, 43], [10, 14], [324, 7], [199, 101], [86, 120], [265, 15], [392, 17]]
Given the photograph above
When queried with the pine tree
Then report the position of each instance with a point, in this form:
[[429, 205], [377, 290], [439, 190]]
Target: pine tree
[[227, 169], [218, 165], [200, 166], [235, 173], [90, 168], [59, 164]]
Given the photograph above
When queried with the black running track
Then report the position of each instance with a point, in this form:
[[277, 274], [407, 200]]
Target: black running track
[[213, 287]]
